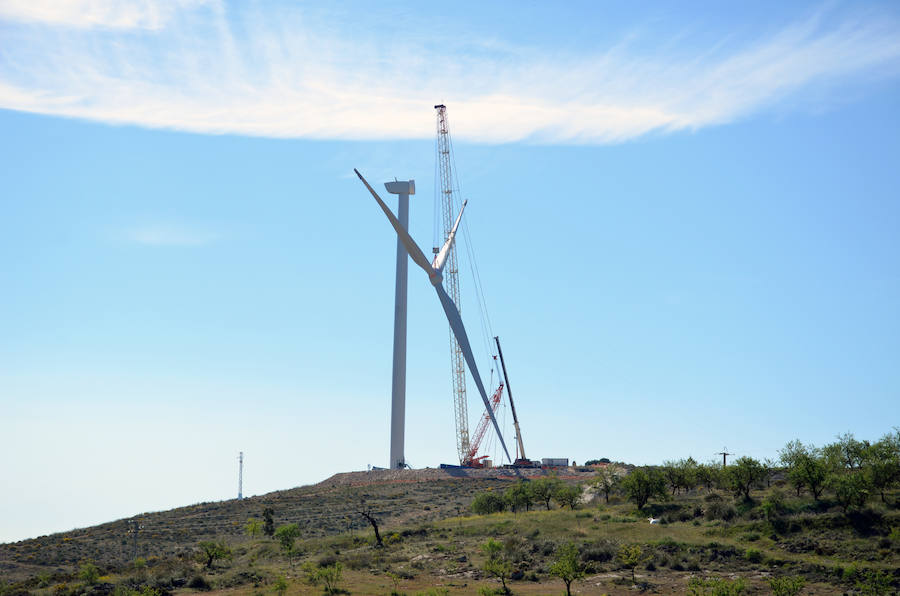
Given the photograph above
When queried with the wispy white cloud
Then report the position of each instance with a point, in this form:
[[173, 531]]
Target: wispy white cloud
[[113, 14], [279, 76], [170, 235]]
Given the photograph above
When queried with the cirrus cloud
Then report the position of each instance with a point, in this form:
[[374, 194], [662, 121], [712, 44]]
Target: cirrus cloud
[[114, 14], [278, 76]]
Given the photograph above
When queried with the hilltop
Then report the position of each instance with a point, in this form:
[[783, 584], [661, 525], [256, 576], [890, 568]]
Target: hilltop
[[398, 497], [439, 528]]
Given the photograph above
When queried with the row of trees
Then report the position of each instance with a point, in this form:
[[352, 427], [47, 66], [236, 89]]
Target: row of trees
[[852, 470], [646, 483], [524, 494]]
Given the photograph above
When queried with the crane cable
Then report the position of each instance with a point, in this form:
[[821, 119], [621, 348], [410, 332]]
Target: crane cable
[[487, 331]]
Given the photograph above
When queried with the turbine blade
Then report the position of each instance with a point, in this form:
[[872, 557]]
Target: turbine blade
[[412, 248], [463, 340], [445, 250]]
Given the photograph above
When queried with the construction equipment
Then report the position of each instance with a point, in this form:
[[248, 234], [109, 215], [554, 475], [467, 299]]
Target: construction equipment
[[444, 162], [471, 460], [521, 460]]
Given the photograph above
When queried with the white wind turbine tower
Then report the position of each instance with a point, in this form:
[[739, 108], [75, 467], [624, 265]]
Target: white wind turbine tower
[[435, 275]]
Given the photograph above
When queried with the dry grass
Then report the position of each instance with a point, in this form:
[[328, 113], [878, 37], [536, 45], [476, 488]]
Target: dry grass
[[430, 547]]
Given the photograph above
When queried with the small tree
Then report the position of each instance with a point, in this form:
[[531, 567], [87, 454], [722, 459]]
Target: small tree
[[254, 527], [567, 566], [497, 564], [268, 522], [280, 585], [642, 484], [882, 463], [518, 496], [850, 488], [708, 475], [211, 552], [488, 502], [670, 473], [330, 576], [769, 466], [848, 452], [743, 475], [568, 495], [630, 557], [607, 479], [287, 536], [367, 513], [812, 471], [544, 488], [807, 467]]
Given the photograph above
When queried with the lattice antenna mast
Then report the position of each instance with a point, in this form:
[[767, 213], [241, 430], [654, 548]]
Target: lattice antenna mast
[[444, 159], [241, 475]]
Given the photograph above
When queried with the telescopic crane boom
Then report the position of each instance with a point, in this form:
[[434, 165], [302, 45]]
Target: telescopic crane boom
[[521, 459]]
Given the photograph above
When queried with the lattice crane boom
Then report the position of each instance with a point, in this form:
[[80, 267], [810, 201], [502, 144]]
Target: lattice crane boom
[[451, 281], [481, 429]]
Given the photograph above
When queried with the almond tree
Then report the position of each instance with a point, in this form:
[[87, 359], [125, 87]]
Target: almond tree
[[567, 565]]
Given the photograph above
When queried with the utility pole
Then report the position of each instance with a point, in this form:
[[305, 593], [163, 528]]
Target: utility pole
[[240, 475], [724, 453]]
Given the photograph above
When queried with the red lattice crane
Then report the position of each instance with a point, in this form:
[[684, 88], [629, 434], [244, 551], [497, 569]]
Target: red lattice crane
[[470, 459]]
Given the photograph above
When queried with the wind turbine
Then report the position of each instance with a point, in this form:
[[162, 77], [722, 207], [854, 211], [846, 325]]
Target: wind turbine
[[435, 276]]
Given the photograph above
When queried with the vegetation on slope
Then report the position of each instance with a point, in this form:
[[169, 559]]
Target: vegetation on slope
[[823, 521]]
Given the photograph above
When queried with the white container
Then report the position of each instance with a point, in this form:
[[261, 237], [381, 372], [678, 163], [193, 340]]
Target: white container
[[555, 462]]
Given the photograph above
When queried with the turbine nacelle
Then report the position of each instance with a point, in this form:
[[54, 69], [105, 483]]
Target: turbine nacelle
[[401, 187]]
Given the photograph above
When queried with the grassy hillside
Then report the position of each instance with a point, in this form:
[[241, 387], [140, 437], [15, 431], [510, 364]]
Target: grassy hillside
[[707, 542]]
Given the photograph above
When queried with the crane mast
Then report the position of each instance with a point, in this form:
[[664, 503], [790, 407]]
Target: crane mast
[[451, 280]]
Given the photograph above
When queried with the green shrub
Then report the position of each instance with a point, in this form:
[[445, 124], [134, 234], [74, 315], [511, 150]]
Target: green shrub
[[786, 586], [280, 585], [716, 586], [329, 577], [720, 510], [88, 573], [488, 502], [754, 556], [198, 582], [874, 582]]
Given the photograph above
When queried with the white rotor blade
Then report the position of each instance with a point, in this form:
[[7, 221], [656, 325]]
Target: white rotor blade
[[463, 340], [445, 250], [411, 247]]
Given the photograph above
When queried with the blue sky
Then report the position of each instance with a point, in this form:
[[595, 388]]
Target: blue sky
[[685, 220]]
